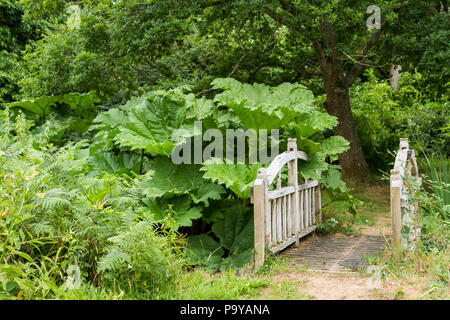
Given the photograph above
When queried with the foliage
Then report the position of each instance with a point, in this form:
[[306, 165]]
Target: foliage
[[56, 218], [15, 33], [383, 115]]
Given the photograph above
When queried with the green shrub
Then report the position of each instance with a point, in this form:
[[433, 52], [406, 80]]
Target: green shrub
[[384, 115]]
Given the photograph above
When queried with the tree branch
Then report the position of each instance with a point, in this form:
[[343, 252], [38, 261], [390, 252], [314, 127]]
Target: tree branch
[[280, 19], [357, 68]]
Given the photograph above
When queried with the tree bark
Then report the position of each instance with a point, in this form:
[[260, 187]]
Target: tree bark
[[354, 165]]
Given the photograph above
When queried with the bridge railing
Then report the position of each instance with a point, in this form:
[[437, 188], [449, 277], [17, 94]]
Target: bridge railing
[[403, 211], [287, 213]]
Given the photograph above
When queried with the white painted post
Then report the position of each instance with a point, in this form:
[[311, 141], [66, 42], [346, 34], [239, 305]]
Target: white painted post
[[259, 227], [293, 182], [396, 214]]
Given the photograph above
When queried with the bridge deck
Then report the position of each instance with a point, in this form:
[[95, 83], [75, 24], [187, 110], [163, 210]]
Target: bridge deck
[[339, 254]]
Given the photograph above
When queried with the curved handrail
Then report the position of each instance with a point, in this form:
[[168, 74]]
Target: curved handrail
[[270, 173]]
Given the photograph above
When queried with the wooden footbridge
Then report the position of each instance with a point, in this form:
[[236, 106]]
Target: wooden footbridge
[[286, 210]]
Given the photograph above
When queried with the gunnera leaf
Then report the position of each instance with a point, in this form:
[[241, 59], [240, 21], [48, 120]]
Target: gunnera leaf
[[167, 178], [209, 191], [179, 207], [237, 177], [125, 162], [204, 250], [149, 124], [235, 232]]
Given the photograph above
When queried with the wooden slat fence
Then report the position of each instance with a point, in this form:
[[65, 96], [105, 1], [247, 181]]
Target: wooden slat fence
[[283, 215], [403, 212]]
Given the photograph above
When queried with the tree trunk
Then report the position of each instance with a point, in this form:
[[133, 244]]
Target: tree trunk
[[354, 165]]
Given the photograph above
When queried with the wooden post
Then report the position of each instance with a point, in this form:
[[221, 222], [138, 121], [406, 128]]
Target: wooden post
[[404, 144], [259, 226], [293, 181], [396, 215], [318, 199], [318, 205]]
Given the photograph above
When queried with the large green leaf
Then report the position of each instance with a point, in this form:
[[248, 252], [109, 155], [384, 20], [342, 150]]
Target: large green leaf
[[293, 96], [81, 103], [111, 118], [235, 232], [40, 106], [307, 169], [237, 177], [333, 146], [125, 162], [167, 178], [199, 109], [208, 192], [333, 179], [311, 122], [204, 250], [149, 124], [180, 207], [262, 107]]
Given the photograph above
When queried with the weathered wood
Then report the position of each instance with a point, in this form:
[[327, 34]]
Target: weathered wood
[[319, 203], [313, 200], [292, 239], [405, 166], [274, 194], [292, 183], [282, 159], [274, 221], [396, 214], [259, 221], [302, 210], [268, 221], [278, 219], [283, 215], [307, 206], [308, 185]]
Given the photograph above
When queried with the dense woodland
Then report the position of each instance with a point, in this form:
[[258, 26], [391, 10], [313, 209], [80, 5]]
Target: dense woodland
[[95, 95]]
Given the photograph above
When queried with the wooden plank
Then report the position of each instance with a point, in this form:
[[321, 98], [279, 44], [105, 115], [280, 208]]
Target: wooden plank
[[313, 201], [289, 214], [292, 240], [283, 245], [319, 204], [284, 217], [274, 194], [396, 214], [279, 180], [259, 222], [400, 161], [278, 223], [294, 221], [310, 206], [302, 211], [308, 185], [268, 208], [274, 221], [306, 208], [274, 168]]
